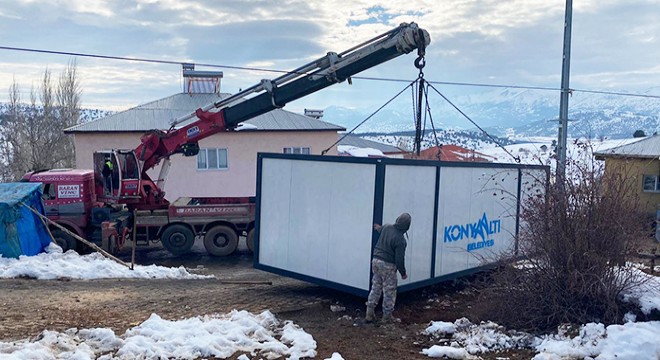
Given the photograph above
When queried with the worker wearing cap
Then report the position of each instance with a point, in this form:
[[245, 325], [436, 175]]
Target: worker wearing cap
[[388, 257]]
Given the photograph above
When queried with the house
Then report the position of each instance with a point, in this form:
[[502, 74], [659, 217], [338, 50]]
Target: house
[[227, 161], [451, 153], [353, 145], [640, 160]]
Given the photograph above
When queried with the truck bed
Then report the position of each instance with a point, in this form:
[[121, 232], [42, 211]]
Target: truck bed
[[219, 206]]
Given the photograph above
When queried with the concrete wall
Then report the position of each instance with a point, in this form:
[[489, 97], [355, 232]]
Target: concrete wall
[[186, 180]]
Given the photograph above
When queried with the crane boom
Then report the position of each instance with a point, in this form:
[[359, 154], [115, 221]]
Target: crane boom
[[265, 96]]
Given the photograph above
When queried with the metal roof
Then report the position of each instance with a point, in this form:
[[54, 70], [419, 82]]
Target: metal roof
[[648, 147], [158, 114], [353, 140]]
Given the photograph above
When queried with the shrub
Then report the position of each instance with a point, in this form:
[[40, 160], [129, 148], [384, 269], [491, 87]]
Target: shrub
[[574, 241]]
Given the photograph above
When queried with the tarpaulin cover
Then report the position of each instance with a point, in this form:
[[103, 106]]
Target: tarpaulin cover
[[21, 231]]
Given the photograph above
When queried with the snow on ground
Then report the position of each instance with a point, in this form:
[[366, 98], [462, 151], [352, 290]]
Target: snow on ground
[[54, 264], [263, 336], [537, 150], [639, 341], [258, 336], [646, 295], [632, 340]]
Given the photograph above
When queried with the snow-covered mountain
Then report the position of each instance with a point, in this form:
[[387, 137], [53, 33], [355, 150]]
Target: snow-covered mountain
[[523, 112], [467, 139]]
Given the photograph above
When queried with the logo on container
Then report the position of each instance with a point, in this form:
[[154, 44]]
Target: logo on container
[[482, 229]]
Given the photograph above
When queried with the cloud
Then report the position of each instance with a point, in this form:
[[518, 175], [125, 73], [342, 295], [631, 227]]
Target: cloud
[[615, 42]]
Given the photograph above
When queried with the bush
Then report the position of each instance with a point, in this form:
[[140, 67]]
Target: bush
[[575, 241]]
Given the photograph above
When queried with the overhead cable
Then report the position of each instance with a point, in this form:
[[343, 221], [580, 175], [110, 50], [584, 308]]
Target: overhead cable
[[249, 68]]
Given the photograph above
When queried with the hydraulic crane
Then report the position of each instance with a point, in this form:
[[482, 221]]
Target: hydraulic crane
[[136, 189]]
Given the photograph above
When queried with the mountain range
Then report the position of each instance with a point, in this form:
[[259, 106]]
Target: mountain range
[[516, 113], [502, 116]]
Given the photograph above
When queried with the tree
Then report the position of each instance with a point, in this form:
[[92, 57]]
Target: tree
[[33, 134], [639, 133]]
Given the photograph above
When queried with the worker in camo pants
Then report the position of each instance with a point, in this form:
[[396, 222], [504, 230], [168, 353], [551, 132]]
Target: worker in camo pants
[[388, 257]]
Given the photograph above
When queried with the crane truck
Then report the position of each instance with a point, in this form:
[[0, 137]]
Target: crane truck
[[135, 206]]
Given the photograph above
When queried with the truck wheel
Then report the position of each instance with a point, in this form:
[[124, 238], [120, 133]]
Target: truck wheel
[[64, 240], [178, 239], [249, 241], [220, 241]]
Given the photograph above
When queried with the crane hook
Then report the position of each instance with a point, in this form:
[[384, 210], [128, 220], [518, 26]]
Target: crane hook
[[420, 62]]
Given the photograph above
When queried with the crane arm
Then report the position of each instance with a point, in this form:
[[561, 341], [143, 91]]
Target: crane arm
[[268, 95]]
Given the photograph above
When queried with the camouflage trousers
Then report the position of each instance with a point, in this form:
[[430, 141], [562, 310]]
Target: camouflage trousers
[[383, 282]]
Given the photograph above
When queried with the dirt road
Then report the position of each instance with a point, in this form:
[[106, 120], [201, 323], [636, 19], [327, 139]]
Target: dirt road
[[31, 306]]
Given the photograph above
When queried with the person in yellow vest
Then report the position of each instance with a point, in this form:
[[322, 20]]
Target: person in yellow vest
[[107, 175]]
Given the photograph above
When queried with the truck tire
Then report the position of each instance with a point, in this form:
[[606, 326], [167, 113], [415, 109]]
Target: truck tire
[[221, 240], [64, 240], [249, 240], [177, 239]]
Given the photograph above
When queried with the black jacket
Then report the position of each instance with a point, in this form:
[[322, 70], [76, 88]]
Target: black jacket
[[391, 246]]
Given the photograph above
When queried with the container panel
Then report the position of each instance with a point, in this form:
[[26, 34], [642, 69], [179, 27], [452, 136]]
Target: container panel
[[476, 217], [493, 213], [321, 227], [411, 189], [275, 214]]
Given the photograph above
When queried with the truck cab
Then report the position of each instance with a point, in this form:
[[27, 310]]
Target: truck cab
[[69, 199]]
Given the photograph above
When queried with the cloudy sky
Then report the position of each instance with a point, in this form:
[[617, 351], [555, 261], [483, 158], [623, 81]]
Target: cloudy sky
[[616, 44]]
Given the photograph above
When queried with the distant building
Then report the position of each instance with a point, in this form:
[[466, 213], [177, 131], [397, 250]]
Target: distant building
[[451, 153], [353, 145], [316, 114], [641, 161]]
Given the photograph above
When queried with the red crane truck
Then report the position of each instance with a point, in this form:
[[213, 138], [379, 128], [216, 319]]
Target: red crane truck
[[111, 209]]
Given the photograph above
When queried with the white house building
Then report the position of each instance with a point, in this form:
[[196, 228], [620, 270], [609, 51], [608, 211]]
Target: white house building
[[226, 163]]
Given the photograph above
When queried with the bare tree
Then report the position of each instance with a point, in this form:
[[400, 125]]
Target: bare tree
[[33, 134], [68, 101]]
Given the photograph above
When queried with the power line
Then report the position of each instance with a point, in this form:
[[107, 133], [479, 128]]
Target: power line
[[616, 93], [248, 68], [123, 58]]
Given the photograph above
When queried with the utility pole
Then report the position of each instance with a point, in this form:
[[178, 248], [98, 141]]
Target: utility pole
[[565, 92]]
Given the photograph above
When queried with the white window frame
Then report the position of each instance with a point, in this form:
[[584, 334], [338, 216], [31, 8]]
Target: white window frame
[[656, 183], [205, 154], [305, 150]]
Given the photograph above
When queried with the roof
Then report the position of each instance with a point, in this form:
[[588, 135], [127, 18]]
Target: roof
[[353, 140], [452, 153], [62, 175], [648, 147], [158, 114]]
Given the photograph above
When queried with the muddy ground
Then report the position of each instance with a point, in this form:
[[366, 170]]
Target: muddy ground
[[31, 306]]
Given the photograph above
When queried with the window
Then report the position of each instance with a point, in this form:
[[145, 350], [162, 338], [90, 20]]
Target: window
[[296, 150], [651, 183], [48, 191], [212, 159]]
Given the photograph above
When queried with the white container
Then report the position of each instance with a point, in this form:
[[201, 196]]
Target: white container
[[315, 216]]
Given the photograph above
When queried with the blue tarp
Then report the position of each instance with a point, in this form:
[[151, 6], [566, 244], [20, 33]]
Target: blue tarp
[[21, 231]]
